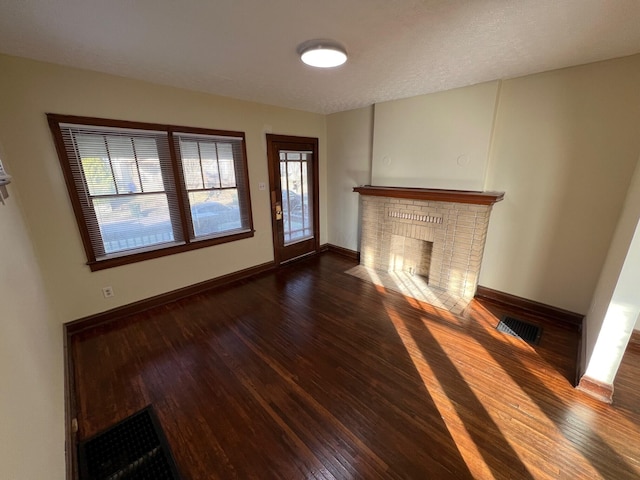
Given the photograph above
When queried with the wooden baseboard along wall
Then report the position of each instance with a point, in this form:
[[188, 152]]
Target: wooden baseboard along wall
[[91, 321], [530, 307], [598, 390], [345, 252]]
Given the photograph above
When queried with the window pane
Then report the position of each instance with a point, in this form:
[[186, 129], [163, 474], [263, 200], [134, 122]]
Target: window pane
[[294, 182], [214, 212], [120, 150], [191, 164], [95, 164], [148, 164], [227, 167], [151, 175], [133, 221], [209, 165]]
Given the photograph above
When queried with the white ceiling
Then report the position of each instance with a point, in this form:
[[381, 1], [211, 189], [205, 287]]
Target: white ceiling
[[247, 48]]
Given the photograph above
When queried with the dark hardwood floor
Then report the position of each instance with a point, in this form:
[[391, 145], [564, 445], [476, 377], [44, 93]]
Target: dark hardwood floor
[[310, 373]]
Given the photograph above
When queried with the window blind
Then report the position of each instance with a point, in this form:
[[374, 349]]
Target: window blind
[[125, 186], [212, 168]]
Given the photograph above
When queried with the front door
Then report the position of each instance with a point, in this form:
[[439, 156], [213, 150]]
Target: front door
[[293, 183]]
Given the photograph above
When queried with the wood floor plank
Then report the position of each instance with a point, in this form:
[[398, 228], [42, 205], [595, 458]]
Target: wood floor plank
[[309, 372]]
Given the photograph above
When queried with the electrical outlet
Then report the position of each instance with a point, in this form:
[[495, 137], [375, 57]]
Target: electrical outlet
[[262, 186], [107, 292]]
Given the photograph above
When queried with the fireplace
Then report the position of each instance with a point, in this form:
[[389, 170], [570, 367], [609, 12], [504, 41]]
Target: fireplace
[[425, 243]]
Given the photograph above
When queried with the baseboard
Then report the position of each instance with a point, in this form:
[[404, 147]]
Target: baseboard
[[72, 328], [345, 252], [594, 388], [530, 307]]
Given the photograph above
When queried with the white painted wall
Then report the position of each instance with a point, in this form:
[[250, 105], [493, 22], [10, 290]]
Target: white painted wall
[[439, 140], [622, 314], [616, 302], [29, 89], [31, 368], [349, 144], [564, 149]]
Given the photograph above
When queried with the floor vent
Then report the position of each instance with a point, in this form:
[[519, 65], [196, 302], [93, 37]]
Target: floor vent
[[523, 330], [133, 449]]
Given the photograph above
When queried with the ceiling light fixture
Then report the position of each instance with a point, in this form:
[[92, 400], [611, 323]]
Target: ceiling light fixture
[[322, 53]]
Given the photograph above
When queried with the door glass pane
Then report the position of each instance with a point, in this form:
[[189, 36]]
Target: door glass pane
[[296, 207]]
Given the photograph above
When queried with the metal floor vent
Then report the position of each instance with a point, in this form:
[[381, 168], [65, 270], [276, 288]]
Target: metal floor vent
[[523, 330], [133, 449]]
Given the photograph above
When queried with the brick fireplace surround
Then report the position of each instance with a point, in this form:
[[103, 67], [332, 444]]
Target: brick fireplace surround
[[425, 243]]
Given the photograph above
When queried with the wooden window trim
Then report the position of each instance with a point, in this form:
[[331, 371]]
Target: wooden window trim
[[94, 264]]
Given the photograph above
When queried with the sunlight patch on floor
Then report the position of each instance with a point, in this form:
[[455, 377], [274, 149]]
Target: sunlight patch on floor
[[577, 412], [523, 406], [465, 444], [411, 286]]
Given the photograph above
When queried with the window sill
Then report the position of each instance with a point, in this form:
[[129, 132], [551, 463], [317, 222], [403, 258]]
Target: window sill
[[162, 252]]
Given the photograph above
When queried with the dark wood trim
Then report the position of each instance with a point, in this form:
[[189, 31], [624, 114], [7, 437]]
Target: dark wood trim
[[455, 196], [345, 252], [70, 409], [530, 307], [163, 252], [91, 321], [54, 121], [108, 122], [598, 390]]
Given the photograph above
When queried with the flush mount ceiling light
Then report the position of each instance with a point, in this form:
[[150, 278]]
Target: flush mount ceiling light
[[322, 53]]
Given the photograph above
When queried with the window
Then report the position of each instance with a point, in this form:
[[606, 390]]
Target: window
[[140, 191]]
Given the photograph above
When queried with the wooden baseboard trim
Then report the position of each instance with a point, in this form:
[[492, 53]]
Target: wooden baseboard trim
[[345, 252], [594, 388], [76, 326], [530, 307]]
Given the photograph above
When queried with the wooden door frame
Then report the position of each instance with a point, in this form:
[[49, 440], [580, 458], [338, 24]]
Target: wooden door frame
[[273, 141]]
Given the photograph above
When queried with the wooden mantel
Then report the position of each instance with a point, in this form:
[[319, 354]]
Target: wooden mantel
[[456, 196]]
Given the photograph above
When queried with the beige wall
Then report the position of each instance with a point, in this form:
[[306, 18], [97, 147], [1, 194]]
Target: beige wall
[[563, 148], [31, 371], [349, 141], [439, 140], [29, 89]]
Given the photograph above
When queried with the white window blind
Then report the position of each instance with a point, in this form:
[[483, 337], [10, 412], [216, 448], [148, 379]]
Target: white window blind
[[127, 202], [214, 175]]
